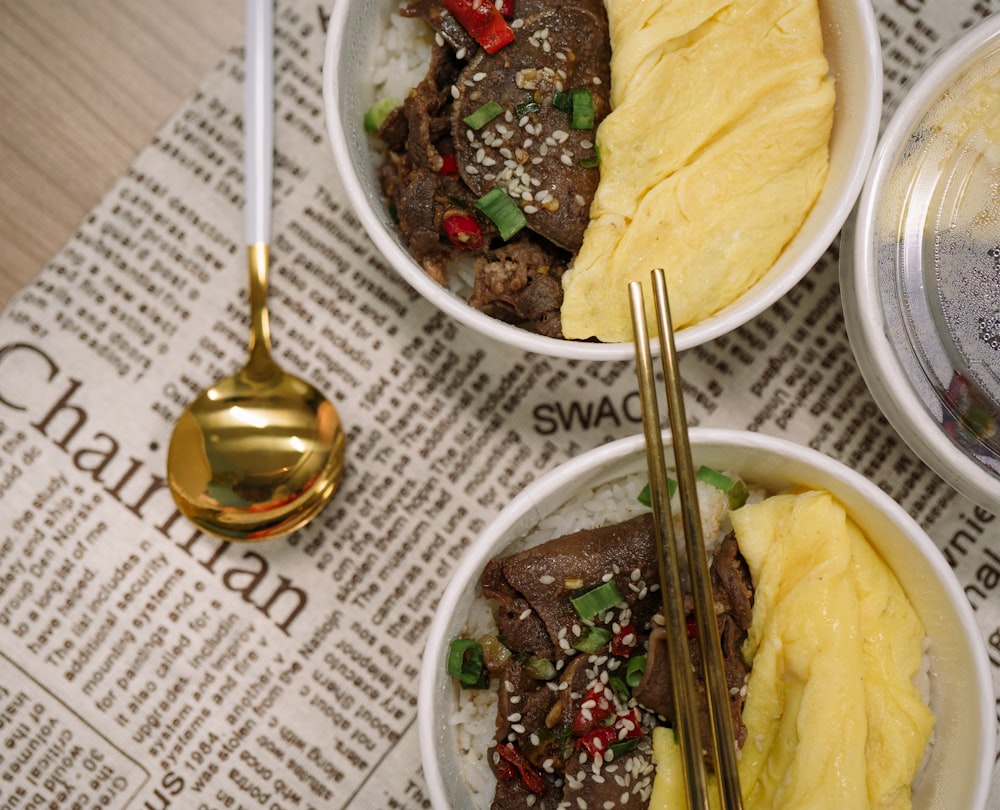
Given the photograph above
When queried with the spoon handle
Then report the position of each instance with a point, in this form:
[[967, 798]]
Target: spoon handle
[[258, 119]]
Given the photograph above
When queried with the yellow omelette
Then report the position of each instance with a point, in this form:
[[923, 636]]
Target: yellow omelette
[[716, 148], [833, 716]]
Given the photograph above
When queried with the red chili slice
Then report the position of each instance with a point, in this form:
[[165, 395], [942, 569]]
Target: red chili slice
[[463, 230], [596, 741], [531, 778], [483, 21], [595, 715], [623, 641], [505, 770], [633, 728]]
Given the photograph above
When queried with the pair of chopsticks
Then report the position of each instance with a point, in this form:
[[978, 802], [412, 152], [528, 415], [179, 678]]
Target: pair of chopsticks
[[689, 735]]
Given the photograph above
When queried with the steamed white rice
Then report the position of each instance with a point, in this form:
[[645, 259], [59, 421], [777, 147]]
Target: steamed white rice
[[400, 62]]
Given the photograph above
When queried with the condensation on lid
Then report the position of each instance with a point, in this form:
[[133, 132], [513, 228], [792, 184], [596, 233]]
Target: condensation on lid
[[931, 242]]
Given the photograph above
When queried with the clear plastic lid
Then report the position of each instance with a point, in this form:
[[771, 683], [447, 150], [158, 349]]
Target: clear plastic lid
[[929, 241]]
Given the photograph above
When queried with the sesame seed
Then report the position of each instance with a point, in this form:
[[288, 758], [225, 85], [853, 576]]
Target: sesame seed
[[531, 209], [546, 579], [460, 53]]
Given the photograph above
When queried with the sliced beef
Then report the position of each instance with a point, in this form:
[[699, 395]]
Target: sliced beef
[[537, 157], [605, 788], [557, 729], [518, 282], [541, 579], [733, 604], [521, 628]]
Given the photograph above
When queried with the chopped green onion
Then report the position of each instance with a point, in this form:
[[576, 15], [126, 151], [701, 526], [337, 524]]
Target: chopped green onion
[[582, 116], [527, 108], [596, 600], [593, 640], [579, 104], [540, 669], [735, 488], [563, 101], [590, 163], [634, 670], [378, 112], [645, 497], [482, 116], [465, 663], [616, 749], [620, 688], [503, 211]]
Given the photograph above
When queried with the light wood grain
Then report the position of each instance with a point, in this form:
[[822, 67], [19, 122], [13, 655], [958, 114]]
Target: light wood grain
[[84, 85]]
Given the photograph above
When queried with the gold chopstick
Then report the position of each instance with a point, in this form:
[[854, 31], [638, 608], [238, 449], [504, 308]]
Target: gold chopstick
[[717, 691], [681, 674]]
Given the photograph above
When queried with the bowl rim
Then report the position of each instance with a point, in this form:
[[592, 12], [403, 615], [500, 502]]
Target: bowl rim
[[890, 384], [523, 511], [753, 302]]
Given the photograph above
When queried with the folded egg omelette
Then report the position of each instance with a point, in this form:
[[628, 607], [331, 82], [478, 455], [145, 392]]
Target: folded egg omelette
[[716, 148]]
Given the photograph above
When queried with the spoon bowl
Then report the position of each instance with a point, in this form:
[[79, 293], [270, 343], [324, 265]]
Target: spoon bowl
[[253, 458], [259, 453]]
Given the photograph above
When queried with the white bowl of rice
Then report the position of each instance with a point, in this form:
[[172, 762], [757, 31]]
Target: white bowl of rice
[[599, 487], [369, 44]]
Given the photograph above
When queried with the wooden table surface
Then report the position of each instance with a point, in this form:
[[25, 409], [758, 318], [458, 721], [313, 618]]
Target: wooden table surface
[[84, 86]]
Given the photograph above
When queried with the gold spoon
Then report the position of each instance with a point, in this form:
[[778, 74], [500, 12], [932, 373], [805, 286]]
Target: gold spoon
[[260, 453]]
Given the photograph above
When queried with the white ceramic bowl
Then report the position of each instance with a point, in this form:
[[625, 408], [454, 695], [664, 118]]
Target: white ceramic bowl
[[957, 774], [919, 268], [855, 57]]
